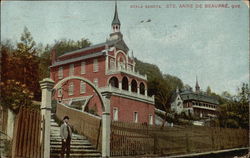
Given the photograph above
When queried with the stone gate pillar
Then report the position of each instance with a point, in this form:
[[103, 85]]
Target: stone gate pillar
[[106, 128], [46, 86]]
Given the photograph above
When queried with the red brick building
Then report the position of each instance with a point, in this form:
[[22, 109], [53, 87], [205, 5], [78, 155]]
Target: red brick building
[[110, 67]]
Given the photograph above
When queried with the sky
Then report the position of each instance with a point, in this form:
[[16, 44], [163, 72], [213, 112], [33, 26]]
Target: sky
[[210, 43]]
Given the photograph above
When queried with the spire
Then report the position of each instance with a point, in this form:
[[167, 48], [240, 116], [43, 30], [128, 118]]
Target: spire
[[116, 22], [197, 87]]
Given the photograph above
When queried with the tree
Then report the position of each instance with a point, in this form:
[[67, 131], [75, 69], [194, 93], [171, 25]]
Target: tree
[[21, 64], [66, 45], [60, 47], [234, 113]]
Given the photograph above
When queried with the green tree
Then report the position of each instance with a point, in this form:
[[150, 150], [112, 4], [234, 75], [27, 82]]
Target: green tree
[[234, 113]]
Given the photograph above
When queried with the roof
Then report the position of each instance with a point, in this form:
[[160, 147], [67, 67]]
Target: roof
[[88, 48], [71, 60], [116, 19], [189, 95]]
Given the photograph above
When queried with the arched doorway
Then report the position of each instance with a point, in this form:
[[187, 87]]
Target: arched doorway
[[125, 83], [113, 81], [46, 87], [134, 86], [142, 88]]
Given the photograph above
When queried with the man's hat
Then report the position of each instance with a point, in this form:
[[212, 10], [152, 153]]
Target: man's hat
[[66, 117]]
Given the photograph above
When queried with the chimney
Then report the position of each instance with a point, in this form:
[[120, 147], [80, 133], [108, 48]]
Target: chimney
[[53, 56]]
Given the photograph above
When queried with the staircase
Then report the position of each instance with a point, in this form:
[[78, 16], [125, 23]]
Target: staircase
[[80, 146]]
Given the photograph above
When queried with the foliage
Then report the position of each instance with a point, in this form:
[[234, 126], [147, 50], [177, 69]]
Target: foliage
[[235, 111], [21, 64], [14, 94], [162, 86], [7, 147], [66, 45], [60, 47]]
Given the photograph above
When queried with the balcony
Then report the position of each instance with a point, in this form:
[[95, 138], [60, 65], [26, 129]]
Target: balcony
[[126, 71], [128, 94], [204, 107]]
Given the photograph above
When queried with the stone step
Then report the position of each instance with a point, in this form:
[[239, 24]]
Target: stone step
[[72, 150], [72, 143], [72, 146], [72, 140], [97, 155]]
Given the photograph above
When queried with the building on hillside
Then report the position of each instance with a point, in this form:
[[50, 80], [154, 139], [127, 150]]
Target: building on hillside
[[111, 68], [196, 102]]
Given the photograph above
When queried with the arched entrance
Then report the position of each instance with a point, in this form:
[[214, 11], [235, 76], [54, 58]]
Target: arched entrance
[[47, 87], [125, 83], [134, 86], [113, 81], [142, 88]]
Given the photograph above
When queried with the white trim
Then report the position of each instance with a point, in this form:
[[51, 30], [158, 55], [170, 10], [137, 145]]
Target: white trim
[[71, 69], [71, 88], [115, 114], [95, 65], [135, 117], [60, 72], [83, 67], [96, 82], [82, 87]]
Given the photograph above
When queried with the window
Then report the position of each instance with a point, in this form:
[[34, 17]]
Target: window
[[135, 117], [115, 114], [60, 73], [95, 65], [96, 82], [130, 68], [150, 119], [83, 68], [71, 88], [71, 69], [59, 92], [112, 64], [82, 87]]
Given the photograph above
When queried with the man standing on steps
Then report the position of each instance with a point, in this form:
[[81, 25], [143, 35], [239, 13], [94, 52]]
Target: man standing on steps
[[66, 135]]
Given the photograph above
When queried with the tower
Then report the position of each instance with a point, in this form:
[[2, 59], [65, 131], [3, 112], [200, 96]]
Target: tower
[[197, 87], [116, 22]]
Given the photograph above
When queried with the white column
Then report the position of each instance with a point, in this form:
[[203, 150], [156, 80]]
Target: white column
[[120, 85], [106, 131], [138, 90], [106, 63], [146, 92], [129, 87], [46, 86]]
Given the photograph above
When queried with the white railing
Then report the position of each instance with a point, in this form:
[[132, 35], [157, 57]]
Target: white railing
[[127, 93], [129, 72], [203, 107]]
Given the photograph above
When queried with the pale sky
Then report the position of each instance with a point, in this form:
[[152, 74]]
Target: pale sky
[[209, 43]]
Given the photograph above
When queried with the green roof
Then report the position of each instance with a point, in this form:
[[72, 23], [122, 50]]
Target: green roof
[[186, 96]]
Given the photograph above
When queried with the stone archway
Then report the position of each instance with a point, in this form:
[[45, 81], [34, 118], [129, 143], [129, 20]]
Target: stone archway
[[58, 85], [47, 85]]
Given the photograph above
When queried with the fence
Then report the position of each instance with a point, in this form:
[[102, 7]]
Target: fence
[[27, 132], [139, 139], [84, 123]]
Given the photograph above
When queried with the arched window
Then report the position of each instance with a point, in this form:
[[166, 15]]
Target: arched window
[[113, 81], [134, 86], [142, 88], [125, 83]]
